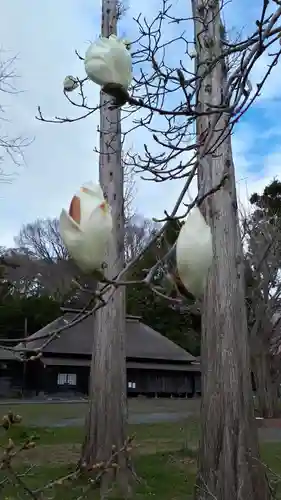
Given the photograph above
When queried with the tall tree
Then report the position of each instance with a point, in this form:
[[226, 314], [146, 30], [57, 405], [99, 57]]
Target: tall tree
[[263, 257], [228, 466], [107, 415], [181, 325], [137, 234], [44, 256], [42, 240], [269, 202], [38, 311]]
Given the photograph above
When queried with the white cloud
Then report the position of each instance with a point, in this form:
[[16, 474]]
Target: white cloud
[[272, 88], [256, 182]]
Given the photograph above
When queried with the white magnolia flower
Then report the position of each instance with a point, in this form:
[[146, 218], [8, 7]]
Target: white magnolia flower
[[86, 228], [194, 252], [108, 61], [70, 83]]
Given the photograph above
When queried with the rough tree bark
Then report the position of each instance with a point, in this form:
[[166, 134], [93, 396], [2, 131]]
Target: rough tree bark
[[267, 390], [261, 306], [106, 421], [228, 468], [265, 368]]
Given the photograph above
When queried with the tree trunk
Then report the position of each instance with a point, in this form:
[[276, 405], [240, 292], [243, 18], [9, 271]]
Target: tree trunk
[[105, 431], [228, 465], [267, 390], [264, 366]]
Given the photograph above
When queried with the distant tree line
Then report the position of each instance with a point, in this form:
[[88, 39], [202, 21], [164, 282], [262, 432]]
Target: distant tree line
[[36, 281]]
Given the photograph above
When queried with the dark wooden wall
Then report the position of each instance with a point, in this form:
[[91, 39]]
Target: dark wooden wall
[[11, 376], [35, 379], [160, 382], [51, 374], [146, 382]]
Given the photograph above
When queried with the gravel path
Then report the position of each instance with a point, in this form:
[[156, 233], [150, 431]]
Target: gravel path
[[265, 434], [272, 435], [137, 416]]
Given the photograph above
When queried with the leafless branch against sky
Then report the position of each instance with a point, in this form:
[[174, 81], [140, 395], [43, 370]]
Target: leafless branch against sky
[[10, 147], [163, 103], [163, 98]]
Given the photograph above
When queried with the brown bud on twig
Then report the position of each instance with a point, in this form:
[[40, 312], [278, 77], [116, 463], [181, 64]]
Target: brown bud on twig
[[10, 446], [6, 422], [99, 465], [11, 416], [60, 481], [29, 445]]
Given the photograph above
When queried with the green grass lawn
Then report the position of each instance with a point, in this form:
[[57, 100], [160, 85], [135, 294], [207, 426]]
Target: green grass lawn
[[145, 435], [158, 453], [161, 477], [54, 412], [46, 412], [164, 457]]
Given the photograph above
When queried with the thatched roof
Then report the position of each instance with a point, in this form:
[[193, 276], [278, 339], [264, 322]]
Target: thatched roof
[[141, 365], [142, 341]]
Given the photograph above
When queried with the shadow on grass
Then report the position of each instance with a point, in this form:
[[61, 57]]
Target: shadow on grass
[[162, 476], [165, 461]]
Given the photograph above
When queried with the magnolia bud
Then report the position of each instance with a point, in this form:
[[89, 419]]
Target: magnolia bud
[[194, 252], [108, 61], [70, 83], [86, 228]]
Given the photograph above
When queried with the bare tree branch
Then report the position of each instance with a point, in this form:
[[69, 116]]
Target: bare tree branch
[[10, 147], [169, 92]]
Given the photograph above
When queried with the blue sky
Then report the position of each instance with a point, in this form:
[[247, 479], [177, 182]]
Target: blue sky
[[45, 35]]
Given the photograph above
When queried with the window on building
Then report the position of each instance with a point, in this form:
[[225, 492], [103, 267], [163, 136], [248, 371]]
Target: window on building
[[131, 385], [67, 378]]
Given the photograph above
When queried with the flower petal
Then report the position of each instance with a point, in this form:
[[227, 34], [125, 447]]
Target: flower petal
[[75, 209], [194, 252], [108, 61], [67, 223], [87, 228], [93, 189]]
